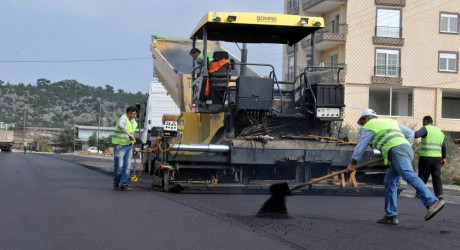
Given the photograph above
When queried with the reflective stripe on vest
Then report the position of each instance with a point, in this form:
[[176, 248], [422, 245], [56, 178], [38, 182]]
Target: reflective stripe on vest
[[387, 135], [121, 138], [432, 143]]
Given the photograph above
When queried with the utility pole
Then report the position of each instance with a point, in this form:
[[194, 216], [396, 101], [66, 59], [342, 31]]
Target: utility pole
[[74, 129], [24, 131], [98, 126], [25, 122], [244, 59]]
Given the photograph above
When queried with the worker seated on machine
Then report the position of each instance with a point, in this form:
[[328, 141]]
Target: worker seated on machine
[[198, 56], [218, 70]]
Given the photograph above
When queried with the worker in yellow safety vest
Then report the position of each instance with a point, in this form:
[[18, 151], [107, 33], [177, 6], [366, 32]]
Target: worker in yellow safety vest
[[123, 140], [198, 56], [432, 154], [394, 142]]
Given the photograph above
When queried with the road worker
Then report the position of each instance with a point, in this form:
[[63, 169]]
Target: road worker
[[394, 141]]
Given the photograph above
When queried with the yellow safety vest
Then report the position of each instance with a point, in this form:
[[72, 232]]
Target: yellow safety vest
[[387, 135], [432, 143], [210, 55], [121, 138]]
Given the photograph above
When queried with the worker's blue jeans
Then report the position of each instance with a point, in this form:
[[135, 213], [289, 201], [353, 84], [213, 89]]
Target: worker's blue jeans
[[401, 166], [122, 162]]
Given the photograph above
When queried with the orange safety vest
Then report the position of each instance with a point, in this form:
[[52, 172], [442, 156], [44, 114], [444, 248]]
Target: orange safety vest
[[213, 67]]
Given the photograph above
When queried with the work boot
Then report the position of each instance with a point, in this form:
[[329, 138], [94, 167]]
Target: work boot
[[116, 186], [393, 220], [126, 188], [434, 208]]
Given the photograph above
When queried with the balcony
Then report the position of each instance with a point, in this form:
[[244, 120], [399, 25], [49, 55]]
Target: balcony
[[387, 75], [391, 36], [394, 3], [327, 37], [321, 6]]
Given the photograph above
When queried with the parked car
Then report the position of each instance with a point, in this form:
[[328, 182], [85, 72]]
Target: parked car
[[94, 150]]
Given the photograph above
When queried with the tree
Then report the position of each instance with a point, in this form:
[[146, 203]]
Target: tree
[[43, 82], [92, 140], [66, 138], [105, 142], [109, 88]]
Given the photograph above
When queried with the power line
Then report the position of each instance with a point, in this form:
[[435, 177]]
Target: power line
[[76, 60]]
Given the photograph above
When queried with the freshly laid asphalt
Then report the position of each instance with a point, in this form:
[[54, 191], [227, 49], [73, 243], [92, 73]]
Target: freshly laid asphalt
[[52, 202]]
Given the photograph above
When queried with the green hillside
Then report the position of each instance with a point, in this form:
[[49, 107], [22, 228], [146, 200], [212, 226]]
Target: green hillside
[[62, 103]]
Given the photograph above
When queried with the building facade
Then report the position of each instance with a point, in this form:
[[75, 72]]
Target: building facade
[[400, 57]]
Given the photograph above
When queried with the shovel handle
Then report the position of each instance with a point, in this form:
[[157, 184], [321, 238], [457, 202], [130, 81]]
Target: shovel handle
[[313, 181]]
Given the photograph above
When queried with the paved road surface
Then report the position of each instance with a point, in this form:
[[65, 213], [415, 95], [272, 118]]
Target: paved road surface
[[51, 203]]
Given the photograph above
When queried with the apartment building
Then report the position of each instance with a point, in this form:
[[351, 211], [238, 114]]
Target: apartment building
[[400, 57]]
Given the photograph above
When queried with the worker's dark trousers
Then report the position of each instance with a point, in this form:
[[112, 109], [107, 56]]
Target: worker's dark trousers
[[431, 166]]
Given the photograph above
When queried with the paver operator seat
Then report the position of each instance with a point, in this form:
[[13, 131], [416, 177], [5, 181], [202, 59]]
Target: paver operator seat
[[218, 77]]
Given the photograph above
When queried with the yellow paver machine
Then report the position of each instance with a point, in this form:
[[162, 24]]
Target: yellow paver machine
[[240, 131]]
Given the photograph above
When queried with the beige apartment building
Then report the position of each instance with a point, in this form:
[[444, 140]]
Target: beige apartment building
[[400, 57]]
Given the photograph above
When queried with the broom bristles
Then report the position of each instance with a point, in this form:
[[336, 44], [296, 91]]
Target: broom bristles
[[275, 206]]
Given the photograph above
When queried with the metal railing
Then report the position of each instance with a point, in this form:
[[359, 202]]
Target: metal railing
[[386, 71], [384, 31], [338, 29], [306, 4]]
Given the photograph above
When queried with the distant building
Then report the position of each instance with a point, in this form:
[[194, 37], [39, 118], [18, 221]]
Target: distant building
[[400, 58], [83, 133]]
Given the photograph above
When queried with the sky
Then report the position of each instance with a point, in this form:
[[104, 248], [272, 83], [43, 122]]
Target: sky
[[106, 42]]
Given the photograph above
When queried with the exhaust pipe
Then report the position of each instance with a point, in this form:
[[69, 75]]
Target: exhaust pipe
[[210, 148]]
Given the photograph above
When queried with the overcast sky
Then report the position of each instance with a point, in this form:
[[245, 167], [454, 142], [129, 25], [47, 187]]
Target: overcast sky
[[34, 33]]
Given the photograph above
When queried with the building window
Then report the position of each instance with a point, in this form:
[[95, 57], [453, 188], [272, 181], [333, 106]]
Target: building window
[[388, 23], [448, 61], [333, 59], [449, 23], [387, 63], [290, 69], [391, 101], [293, 4], [335, 19], [450, 104]]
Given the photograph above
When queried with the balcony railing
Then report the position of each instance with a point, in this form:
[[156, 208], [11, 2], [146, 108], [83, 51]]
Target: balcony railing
[[321, 6], [395, 3], [393, 32], [387, 71], [336, 34], [289, 76], [387, 75], [388, 36]]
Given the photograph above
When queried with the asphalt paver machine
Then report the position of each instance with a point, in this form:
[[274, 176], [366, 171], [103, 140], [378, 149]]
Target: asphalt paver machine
[[240, 131]]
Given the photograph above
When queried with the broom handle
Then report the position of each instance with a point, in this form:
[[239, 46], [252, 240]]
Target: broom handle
[[313, 181]]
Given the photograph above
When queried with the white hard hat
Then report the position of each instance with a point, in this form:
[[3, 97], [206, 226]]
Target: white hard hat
[[367, 112]]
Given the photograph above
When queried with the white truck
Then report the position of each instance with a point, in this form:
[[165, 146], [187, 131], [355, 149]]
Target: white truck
[[158, 103], [6, 140]]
